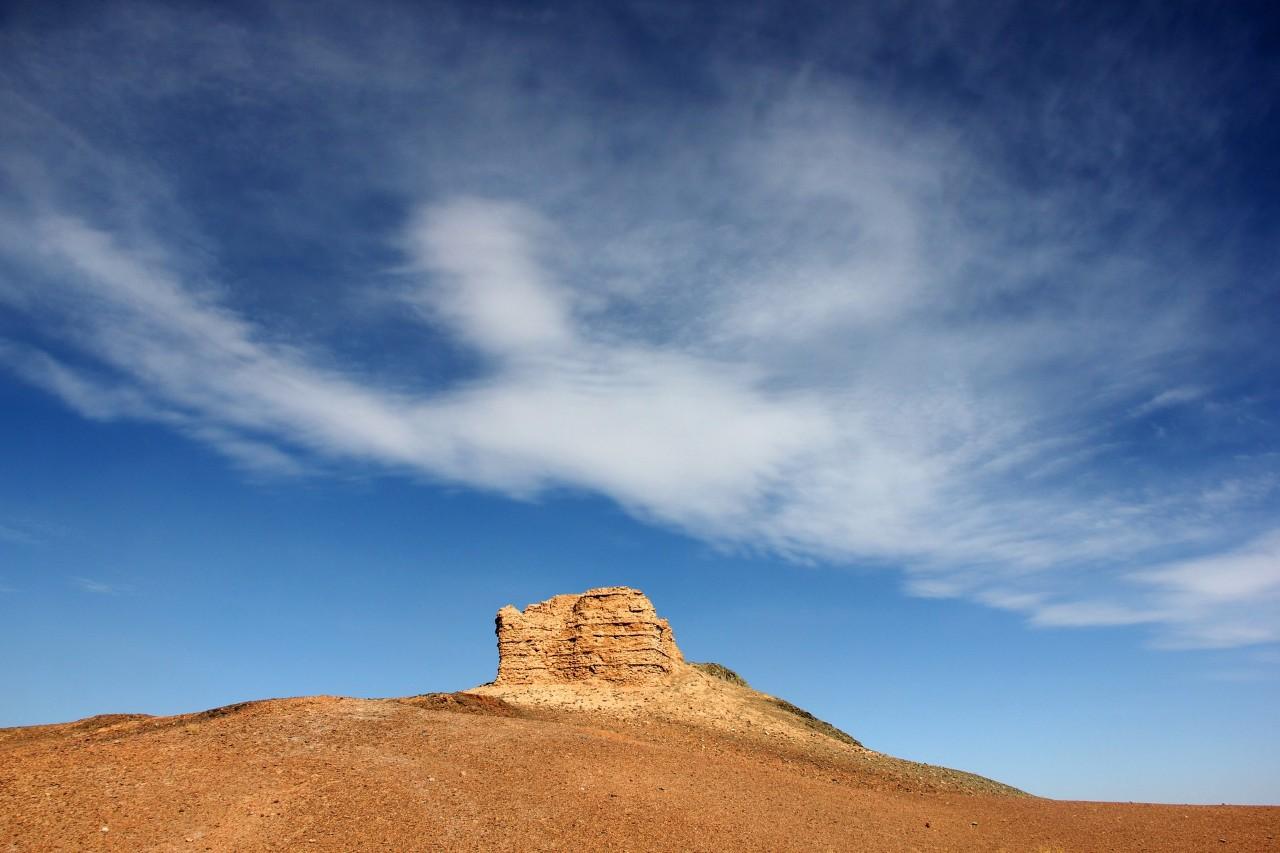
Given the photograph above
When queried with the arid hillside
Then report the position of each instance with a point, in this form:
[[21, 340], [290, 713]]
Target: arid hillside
[[471, 773], [601, 738]]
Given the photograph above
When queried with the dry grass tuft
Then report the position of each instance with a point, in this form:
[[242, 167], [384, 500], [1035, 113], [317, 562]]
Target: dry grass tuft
[[721, 672]]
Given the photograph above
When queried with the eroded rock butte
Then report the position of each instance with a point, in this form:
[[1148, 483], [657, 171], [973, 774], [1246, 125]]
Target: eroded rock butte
[[611, 634]]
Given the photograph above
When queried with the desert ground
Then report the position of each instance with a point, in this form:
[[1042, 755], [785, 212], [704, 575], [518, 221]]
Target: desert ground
[[475, 772], [597, 734]]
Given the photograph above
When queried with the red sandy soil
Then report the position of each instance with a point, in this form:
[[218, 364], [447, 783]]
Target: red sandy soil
[[466, 772]]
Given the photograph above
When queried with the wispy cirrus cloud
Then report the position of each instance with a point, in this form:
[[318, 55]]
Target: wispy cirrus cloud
[[1244, 582], [23, 530], [96, 587], [1168, 399], [795, 319], [9, 533]]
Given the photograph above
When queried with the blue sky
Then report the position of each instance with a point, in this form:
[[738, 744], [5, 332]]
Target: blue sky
[[917, 359]]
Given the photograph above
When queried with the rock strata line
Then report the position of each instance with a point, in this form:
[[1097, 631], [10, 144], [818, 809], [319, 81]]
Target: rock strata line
[[610, 634]]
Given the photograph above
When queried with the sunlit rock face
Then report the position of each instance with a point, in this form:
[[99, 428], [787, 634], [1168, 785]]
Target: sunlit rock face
[[611, 634]]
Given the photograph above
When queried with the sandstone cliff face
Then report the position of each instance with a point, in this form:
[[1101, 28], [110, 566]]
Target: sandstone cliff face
[[611, 635]]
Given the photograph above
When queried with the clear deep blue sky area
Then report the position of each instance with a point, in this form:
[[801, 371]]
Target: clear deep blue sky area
[[918, 359]]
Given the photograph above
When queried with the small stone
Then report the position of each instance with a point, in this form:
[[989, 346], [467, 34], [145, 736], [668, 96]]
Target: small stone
[[104, 828]]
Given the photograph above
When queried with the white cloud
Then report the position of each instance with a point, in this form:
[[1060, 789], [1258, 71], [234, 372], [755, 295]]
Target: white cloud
[[718, 447], [669, 435], [96, 587], [1239, 575], [27, 531], [1168, 399], [12, 534], [1245, 490], [1222, 600], [796, 322], [488, 284], [1077, 614]]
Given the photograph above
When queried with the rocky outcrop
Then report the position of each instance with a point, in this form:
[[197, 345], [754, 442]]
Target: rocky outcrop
[[611, 635]]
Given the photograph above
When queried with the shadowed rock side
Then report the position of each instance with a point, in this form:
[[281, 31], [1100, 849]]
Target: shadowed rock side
[[611, 635]]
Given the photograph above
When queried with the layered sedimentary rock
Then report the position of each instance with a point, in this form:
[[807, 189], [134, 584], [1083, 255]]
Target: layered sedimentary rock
[[611, 634]]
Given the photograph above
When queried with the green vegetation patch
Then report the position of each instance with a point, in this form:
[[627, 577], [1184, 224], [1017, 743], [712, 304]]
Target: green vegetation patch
[[812, 722], [721, 672]]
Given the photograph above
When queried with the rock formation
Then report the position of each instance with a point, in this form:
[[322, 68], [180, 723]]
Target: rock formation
[[610, 635]]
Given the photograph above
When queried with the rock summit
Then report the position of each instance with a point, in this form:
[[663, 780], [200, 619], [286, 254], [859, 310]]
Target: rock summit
[[611, 635]]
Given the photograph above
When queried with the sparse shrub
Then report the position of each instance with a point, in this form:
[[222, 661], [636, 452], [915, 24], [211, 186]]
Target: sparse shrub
[[721, 672], [813, 722]]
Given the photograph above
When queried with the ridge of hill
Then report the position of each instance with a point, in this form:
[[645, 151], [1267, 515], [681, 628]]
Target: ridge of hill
[[607, 653], [596, 735], [472, 772]]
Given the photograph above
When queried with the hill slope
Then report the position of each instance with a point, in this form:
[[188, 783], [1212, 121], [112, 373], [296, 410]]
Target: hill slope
[[710, 700], [472, 772]]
